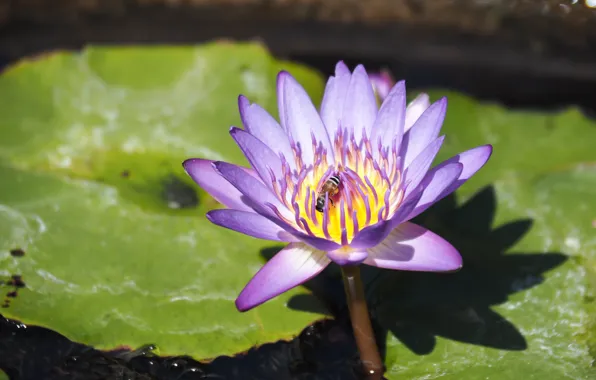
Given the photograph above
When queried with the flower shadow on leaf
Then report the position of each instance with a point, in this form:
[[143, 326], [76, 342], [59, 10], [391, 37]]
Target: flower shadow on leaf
[[418, 307]]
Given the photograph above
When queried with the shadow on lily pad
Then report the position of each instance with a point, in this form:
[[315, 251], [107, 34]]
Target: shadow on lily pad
[[418, 307]]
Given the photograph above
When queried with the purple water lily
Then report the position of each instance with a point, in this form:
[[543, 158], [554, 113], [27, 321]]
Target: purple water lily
[[378, 161], [382, 82]]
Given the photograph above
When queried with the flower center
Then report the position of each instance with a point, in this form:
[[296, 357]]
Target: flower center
[[336, 201]]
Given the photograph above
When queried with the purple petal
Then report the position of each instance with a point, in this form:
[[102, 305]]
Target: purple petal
[[360, 108], [352, 257], [316, 242], [203, 173], [300, 118], [425, 130], [374, 234], [290, 267], [389, 123], [415, 108], [472, 160], [341, 69], [414, 248], [253, 189], [251, 224], [263, 126], [332, 106], [281, 101], [405, 209], [371, 235], [434, 184], [260, 156], [416, 171]]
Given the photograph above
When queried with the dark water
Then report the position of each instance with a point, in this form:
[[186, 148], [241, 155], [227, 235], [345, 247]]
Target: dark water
[[324, 350]]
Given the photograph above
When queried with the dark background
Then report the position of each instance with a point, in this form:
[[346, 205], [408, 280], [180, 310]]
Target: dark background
[[520, 52]]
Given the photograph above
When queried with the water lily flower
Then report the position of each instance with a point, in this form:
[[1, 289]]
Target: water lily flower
[[378, 160], [382, 82]]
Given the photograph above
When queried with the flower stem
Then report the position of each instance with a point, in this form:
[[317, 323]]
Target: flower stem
[[363, 332]]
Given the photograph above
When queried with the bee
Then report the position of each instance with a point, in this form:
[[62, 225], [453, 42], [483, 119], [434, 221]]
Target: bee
[[331, 187]]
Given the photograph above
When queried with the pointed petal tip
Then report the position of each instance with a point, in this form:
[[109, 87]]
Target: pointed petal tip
[[484, 154], [243, 101], [455, 261], [475, 159], [361, 70], [401, 85], [442, 103], [209, 215], [456, 268], [186, 164], [194, 166], [398, 89], [414, 248], [341, 69], [243, 107], [453, 266], [421, 99], [282, 76], [489, 150], [281, 80], [415, 109], [242, 306], [292, 266]]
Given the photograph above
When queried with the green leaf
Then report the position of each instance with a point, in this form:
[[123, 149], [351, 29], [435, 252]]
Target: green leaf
[[90, 153], [117, 250], [523, 305]]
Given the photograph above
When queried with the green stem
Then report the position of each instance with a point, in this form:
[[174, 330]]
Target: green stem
[[363, 332]]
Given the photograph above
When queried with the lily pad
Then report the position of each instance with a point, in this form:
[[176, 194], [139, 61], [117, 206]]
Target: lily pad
[[115, 246], [116, 249], [526, 226]]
